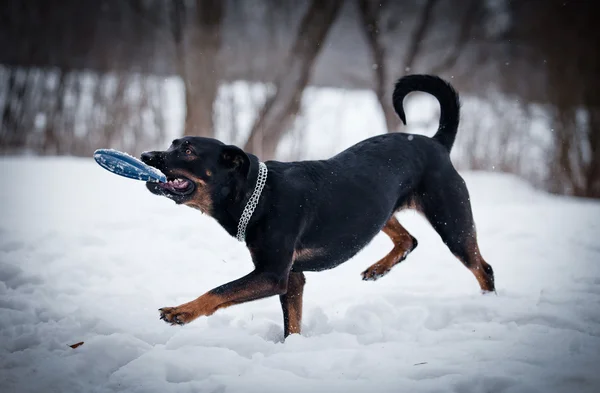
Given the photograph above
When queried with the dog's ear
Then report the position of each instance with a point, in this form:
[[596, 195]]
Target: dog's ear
[[234, 158]]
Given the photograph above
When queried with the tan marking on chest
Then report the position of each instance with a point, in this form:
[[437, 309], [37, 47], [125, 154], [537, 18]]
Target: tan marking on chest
[[201, 201], [411, 204]]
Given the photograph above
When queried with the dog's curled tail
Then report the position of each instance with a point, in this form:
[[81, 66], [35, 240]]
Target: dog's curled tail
[[445, 94]]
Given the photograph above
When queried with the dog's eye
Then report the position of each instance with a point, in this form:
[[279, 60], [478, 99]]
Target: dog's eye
[[188, 151]]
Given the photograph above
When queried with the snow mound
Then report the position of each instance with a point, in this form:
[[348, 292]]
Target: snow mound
[[89, 256]]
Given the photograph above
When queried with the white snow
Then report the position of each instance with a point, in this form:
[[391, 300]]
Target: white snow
[[89, 256]]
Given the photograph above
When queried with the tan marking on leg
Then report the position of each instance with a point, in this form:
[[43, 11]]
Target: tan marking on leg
[[403, 244], [291, 304], [307, 253], [480, 268]]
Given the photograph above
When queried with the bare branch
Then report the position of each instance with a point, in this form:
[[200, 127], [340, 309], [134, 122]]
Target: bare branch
[[423, 26], [279, 109], [462, 38], [370, 12]]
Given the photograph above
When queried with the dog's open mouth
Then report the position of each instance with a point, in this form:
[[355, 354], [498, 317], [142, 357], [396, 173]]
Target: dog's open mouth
[[177, 186]]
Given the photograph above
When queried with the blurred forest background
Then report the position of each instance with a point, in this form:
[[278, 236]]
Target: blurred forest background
[[76, 75]]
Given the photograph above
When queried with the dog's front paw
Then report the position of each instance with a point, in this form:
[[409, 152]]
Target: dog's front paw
[[374, 273], [175, 315]]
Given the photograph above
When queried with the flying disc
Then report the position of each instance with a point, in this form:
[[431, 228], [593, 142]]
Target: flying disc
[[125, 165]]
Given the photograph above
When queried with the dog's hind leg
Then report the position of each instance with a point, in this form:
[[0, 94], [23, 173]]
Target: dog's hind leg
[[447, 207], [404, 243], [291, 304]]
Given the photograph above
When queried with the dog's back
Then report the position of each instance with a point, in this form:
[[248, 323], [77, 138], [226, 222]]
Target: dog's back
[[349, 197]]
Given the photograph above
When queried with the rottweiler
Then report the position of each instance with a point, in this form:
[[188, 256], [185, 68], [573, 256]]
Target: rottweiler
[[314, 215]]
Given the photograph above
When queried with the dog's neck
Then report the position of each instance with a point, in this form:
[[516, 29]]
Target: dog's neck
[[228, 216]]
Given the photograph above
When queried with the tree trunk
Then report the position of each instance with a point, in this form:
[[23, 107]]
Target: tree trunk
[[13, 134], [592, 185], [8, 122], [370, 16], [370, 11], [197, 42], [278, 111], [52, 141], [471, 13], [415, 45]]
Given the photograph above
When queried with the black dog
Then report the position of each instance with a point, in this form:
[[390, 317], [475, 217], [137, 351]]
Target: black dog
[[315, 215]]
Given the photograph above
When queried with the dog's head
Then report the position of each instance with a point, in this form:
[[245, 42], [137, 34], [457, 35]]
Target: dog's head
[[199, 170]]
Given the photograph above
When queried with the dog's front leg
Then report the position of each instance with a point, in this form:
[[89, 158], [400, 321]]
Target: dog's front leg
[[256, 285]]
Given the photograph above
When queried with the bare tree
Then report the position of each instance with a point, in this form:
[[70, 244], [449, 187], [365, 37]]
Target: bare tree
[[279, 110], [415, 45], [52, 140], [197, 36], [371, 18], [471, 11], [12, 95], [551, 36], [592, 175]]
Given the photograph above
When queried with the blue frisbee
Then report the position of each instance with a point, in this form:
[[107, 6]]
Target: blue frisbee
[[125, 165]]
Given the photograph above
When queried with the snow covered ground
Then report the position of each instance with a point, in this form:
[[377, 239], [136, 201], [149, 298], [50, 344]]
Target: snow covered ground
[[89, 256]]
